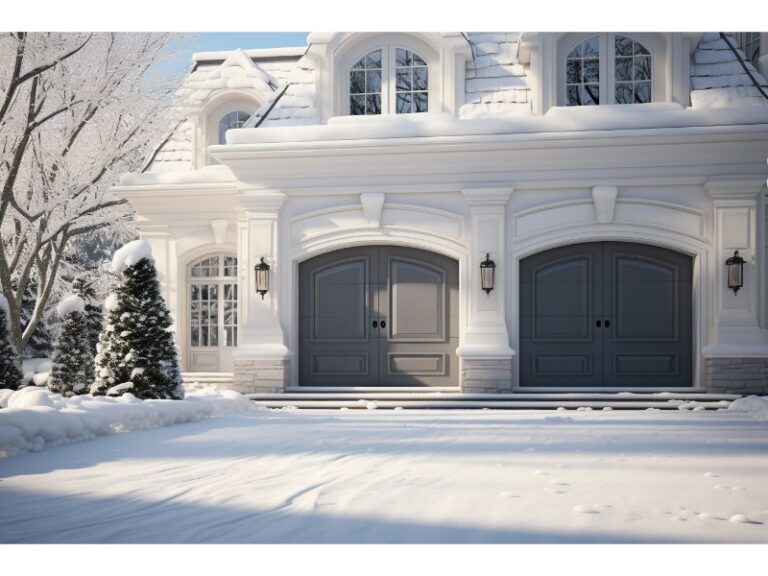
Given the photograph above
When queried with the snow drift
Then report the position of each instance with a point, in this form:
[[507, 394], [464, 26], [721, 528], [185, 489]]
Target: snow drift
[[33, 418], [755, 406]]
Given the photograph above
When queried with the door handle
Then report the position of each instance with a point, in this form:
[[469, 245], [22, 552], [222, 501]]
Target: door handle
[[598, 323], [607, 323], [383, 323], [375, 324]]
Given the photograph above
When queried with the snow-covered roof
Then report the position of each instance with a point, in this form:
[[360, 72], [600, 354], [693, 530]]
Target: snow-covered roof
[[238, 71], [258, 73], [559, 119], [496, 82], [285, 82], [256, 54], [718, 79], [295, 104]]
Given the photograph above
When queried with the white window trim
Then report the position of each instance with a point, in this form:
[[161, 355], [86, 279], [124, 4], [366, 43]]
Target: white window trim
[[607, 68], [207, 124], [388, 44]]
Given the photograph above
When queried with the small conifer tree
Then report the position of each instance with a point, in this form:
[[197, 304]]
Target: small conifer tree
[[72, 369], [10, 373], [93, 314], [136, 345]]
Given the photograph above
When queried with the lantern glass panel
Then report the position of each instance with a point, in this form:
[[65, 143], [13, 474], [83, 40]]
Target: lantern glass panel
[[735, 275]]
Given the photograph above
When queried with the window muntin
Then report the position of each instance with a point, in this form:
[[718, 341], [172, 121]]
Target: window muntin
[[411, 82], [206, 267], [632, 72], [582, 72], [614, 66], [236, 119], [365, 85], [389, 79]]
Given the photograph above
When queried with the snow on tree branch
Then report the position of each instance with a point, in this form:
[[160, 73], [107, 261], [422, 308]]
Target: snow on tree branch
[[76, 111]]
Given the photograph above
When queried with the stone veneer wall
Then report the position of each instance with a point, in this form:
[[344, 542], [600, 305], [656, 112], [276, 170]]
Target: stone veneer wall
[[736, 375], [486, 376], [261, 376]]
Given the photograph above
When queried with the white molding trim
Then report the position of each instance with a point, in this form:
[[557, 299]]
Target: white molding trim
[[372, 203], [604, 199]]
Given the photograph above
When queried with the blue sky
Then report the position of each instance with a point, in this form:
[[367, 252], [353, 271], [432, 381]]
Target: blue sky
[[213, 41]]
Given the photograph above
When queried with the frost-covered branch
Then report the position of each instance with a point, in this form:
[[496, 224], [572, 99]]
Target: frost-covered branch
[[76, 111]]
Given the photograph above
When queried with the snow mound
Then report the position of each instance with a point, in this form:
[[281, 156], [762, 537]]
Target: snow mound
[[131, 254], [755, 406], [36, 371], [36, 418], [30, 397], [69, 304]]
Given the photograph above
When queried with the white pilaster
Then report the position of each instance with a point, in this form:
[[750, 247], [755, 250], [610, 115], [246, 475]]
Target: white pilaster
[[261, 334], [486, 335], [736, 330]]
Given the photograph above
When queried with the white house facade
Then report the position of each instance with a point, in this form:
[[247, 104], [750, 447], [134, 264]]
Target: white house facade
[[480, 212]]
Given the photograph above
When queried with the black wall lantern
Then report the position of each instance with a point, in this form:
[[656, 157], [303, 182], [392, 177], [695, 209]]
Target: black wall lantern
[[735, 271], [262, 277], [487, 271]]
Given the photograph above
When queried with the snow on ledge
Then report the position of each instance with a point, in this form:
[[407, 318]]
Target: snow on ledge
[[206, 175], [34, 418], [558, 119]]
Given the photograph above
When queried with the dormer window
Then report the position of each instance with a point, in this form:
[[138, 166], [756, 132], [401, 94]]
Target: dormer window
[[608, 69], [389, 80], [232, 120]]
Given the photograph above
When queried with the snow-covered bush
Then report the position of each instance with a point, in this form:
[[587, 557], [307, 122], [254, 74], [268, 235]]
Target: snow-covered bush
[[72, 366], [10, 373], [136, 344]]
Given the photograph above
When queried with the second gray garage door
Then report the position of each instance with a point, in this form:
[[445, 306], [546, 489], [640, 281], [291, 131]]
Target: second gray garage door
[[609, 314]]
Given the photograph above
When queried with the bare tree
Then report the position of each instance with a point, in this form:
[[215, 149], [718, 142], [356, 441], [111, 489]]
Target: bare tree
[[76, 111]]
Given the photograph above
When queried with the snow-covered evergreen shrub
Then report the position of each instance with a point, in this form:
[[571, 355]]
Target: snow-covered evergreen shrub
[[72, 370], [10, 372], [93, 313], [136, 344]]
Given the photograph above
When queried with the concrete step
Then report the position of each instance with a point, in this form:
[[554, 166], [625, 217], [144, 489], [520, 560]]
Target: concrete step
[[428, 400], [207, 377]]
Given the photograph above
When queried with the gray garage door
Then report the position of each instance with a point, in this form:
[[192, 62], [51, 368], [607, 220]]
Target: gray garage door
[[607, 314], [378, 316]]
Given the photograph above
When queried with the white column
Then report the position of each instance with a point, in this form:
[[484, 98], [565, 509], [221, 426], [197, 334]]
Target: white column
[[486, 334], [736, 324], [261, 333]]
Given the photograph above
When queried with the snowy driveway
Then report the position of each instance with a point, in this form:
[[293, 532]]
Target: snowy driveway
[[403, 476]]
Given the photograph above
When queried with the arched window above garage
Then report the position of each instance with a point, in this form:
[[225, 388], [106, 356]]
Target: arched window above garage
[[389, 80], [607, 68]]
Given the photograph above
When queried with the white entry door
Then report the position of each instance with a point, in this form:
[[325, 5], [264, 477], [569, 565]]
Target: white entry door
[[212, 296]]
